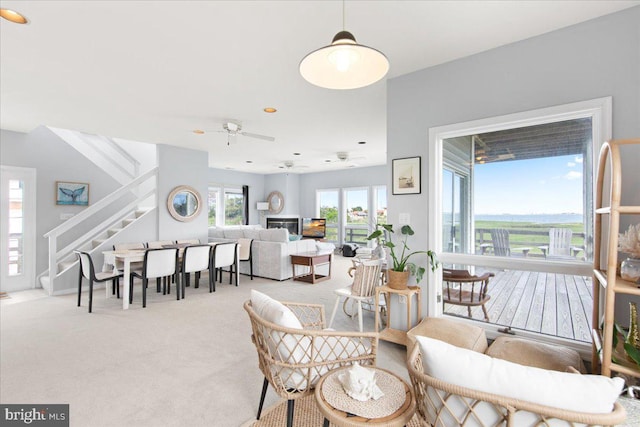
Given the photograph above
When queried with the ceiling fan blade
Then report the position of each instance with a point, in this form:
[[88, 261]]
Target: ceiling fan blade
[[258, 136]]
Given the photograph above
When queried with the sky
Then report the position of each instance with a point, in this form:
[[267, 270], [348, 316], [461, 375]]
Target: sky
[[537, 186]]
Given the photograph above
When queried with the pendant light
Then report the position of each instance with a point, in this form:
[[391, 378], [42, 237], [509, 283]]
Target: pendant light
[[344, 64]]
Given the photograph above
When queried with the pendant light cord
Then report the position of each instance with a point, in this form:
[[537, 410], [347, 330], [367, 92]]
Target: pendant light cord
[[343, 18]]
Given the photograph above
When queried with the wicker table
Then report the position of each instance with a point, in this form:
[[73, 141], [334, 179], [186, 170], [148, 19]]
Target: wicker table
[[340, 418]]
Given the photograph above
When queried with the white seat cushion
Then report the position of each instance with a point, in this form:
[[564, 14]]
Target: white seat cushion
[[593, 394]]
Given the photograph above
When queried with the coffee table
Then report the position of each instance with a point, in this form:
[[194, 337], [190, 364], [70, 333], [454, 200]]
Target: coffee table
[[311, 260], [342, 418]]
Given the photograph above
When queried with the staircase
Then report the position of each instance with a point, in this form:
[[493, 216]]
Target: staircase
[[94, 229]]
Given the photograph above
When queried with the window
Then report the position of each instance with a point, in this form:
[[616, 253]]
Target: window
[[356, 215], [213, 203], [501, 189], [226, 205], [233, 206], [380, 203], [327, 207], [347, 211]]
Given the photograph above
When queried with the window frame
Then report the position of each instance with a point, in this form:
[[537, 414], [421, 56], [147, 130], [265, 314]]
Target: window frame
[[600, 112]]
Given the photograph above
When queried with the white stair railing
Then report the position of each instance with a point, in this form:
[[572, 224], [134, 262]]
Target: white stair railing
[[104, 152], [120, 198]]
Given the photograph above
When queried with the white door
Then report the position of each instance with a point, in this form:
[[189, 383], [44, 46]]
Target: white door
[[17, 228]]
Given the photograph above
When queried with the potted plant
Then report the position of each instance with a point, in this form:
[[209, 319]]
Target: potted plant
[[401, 270]]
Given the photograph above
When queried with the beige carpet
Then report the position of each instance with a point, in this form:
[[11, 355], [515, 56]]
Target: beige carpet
[[306, 414], [174, 363]]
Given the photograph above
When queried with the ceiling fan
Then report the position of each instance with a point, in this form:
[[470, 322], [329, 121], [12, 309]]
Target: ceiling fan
[[343, 157], [290, 165], [233, 129]]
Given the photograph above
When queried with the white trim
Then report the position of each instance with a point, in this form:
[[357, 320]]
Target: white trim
[[600, 111]]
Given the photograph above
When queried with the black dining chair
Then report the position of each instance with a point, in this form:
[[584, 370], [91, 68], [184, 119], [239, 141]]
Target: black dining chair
[[88, 272]]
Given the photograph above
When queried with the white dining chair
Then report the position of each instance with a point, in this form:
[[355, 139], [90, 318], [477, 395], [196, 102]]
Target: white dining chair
[[195, 259], [88, 272], [245, 252], [158, 263], [365, 279], [224, 255]]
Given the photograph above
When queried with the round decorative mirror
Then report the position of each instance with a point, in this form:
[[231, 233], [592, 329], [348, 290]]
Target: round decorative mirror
[[276, 202], [184, 203]]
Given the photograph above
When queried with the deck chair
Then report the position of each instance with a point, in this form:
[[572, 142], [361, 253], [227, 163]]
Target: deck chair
[[365, 279], [559, 246], [462, 288], [501, 245]]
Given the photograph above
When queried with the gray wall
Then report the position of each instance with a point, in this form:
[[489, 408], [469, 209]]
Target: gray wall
[[181, 166], [594, 59], [54, 161]]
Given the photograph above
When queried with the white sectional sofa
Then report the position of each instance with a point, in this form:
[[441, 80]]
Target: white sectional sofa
[[271, 249]]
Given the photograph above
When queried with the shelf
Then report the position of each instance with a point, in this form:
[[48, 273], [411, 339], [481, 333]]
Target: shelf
[[610, 154], [621, 286], [394, 335]]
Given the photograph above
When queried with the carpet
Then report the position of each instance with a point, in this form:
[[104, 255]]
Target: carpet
[[306, 414]]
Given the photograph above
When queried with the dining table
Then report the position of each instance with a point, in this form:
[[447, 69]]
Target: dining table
[[130, 256]]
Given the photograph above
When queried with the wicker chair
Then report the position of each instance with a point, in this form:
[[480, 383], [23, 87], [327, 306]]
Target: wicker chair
[[441, 404], [318, 351]]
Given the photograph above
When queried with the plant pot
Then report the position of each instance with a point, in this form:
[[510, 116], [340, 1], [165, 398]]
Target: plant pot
[[398, 279]]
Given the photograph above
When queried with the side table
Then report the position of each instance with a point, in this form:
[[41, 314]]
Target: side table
[[341, 418], [397, 336]]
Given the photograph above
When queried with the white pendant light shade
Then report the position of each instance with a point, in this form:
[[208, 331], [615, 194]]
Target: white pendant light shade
[[344, 64]]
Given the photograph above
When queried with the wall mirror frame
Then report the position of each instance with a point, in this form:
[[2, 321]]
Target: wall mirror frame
[[184, 203], [276, 202]]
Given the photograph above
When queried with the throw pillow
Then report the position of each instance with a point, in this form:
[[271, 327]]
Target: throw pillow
[[593, 394]]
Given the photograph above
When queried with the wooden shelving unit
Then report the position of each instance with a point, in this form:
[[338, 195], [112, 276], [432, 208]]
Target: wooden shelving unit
[[607, 278]]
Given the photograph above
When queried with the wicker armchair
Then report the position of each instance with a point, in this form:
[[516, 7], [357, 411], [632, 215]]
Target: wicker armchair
[[293, 360], [441, 404]]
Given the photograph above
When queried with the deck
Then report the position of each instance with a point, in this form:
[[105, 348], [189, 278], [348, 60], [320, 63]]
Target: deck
[[552, 304]]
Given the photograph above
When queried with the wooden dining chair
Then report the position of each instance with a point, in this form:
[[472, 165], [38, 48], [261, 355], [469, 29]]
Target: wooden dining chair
[[462, 288], [365, 279], [224, 255], [195, 259], [88, 272], [157, 263]]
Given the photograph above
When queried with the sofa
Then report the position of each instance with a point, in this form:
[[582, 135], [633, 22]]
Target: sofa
[[460, 381], [270, 248]]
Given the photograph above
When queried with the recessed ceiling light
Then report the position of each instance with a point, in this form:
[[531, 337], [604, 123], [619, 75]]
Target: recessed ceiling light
[[249, 161], [362, 142], [13, 16], [198, 131], [327, 161], [269, 110], [296, 154]]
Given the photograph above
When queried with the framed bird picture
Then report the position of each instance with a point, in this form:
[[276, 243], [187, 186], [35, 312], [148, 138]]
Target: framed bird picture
[[72, 193]]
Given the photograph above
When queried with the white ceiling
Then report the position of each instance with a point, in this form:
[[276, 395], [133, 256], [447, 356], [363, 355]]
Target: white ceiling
[[154, 71]]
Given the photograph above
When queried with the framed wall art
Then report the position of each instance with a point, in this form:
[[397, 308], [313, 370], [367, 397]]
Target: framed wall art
[[405, 174], [72, 193]]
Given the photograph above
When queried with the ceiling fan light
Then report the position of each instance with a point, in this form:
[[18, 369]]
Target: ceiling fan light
[[344, 64], [13, 16]]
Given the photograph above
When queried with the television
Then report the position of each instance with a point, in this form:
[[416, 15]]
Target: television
[[314, 227]]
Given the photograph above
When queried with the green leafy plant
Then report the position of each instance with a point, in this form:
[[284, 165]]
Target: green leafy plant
[[383, 235]]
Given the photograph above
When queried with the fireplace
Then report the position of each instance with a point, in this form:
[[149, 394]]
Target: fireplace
[[290, 224]]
